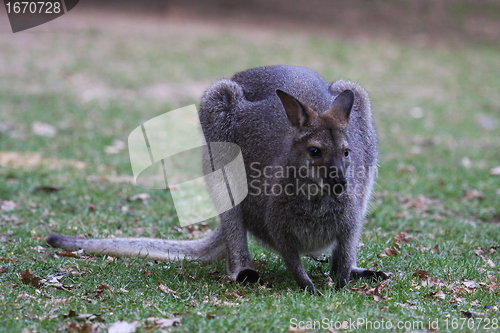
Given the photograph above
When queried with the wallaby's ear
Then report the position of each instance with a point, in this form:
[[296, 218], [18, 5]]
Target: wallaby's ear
[[298, 114], [341, 107]]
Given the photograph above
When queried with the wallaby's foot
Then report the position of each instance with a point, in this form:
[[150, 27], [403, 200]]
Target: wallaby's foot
[[360, 273], [247, 276]]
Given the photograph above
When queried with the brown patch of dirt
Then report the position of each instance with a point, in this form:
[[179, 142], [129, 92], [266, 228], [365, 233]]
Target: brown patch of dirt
[[421, 21]]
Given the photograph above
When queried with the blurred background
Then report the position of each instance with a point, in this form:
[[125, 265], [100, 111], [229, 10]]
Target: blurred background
[[75, 87]]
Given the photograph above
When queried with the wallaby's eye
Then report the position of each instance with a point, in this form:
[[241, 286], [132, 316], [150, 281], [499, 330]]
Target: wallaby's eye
[[315, 152], [346, 153]]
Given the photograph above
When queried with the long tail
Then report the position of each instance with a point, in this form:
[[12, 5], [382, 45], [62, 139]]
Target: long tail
[[209, 248]]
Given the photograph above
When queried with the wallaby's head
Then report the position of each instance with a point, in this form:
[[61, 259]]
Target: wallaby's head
[[320, 141]]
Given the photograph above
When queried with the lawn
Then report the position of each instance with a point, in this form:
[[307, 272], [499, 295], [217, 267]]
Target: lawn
[[69, 100]]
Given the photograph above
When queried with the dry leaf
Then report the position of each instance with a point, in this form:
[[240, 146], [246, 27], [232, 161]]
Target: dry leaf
[[115, 147], [164, 289], [419, 202], [111, 179], [433, 281], [495, 171], [473, 194], [390, 251], [99, 290], [24, 296], [402, 237], [29, 160], [27, 277], [43, 129], [47, 188], [123, 327], [469, 283], [8, 259], [457, 301], [6, 205], [438, 294], [490, 263], [142, 197], [421, 273], [479, 252], [67, 254], [164, 322]]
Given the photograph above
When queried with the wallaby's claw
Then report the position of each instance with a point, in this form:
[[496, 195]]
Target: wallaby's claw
[[247, 276], [369, 275]]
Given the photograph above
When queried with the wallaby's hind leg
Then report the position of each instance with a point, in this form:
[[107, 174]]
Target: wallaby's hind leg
[[239, 263]]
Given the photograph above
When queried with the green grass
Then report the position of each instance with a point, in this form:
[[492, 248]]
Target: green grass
[[89, 85]]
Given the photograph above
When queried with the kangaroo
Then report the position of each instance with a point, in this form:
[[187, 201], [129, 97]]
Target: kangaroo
[[310, 154]]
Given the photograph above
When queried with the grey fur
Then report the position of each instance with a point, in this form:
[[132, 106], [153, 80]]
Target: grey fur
[[276, 114]]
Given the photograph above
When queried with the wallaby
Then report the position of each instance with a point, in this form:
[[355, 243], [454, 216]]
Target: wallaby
[[310, 155]]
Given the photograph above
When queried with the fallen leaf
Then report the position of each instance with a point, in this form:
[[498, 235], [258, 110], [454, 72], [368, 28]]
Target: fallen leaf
[[433, 281], [8, 259], [439, 294], [495, 171], [24, 296], [2, 270], [43, 129], [473, 194], [435, 249], [486, 123], [99, 290], [142, 197], [390, 251], [47, 188], [164, 322], [115, 147], [83, 316], [419, 202], [111, 179], [83, 328], [67, 254], [421, 273], [490, 263], [164, 289], [479, 252], [402, 237], [123, 327], [469, 283], [492, 286], [457, 300], [27, 277], [29, 160], [7, 205]]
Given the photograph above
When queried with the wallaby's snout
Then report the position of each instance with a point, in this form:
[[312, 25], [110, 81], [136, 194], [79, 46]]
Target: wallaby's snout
[[336, 181]]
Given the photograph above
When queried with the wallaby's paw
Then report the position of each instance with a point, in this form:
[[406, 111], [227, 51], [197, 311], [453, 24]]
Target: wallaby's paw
[[247, 276], [367, 274]]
